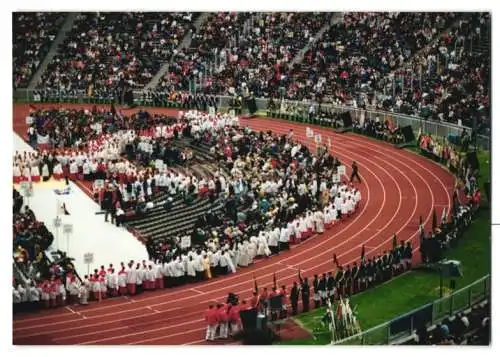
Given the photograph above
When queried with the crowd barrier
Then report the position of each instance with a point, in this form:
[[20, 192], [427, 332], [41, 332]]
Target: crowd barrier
[[282, 109], [429, 314]]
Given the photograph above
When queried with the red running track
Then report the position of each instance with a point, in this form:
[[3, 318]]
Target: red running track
[[398, 187]]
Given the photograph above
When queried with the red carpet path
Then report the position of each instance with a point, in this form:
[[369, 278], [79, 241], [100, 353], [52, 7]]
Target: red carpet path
[[398, 187]]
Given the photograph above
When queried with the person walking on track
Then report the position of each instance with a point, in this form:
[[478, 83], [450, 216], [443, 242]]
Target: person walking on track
[[355, 172]]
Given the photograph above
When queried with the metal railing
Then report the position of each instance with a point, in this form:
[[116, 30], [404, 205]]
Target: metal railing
[[283, 107], [435, 311]]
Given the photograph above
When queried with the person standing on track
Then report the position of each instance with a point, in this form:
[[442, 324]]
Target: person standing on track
[[212, 319], [306, 291], [223, 319], [294, 297], [354, 173]]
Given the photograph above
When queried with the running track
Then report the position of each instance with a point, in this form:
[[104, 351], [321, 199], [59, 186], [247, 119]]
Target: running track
[[398, 187]]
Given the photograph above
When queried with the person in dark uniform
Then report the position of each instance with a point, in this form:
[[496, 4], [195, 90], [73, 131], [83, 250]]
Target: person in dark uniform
[[355, 278], [306, 291], [294, 297], [354, 173], [316, 297], [339, 279], [348, 281], [107, 203], [330, 286], [408, 255], [322, 289]]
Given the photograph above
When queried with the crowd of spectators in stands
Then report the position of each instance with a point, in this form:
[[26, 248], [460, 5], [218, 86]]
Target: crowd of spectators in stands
[[471, 327], [451, 77], [431, 74], [107, 52], [33, 34]]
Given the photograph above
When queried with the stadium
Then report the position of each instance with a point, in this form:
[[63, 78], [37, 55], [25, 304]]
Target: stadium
[[251, 178]]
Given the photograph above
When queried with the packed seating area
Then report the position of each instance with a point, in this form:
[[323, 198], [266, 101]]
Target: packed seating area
[[33, 34], [451, 78], [255, 52], [364, 47], [471, 327], [107, 51], [213, 42], [403, 62]]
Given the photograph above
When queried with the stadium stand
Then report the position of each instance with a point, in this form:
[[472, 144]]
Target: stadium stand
[[33, 33]]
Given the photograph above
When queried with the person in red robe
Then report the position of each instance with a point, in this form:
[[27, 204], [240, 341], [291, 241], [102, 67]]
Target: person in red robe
[[223, 320], [254, 302], [234, 319], [211, 318]]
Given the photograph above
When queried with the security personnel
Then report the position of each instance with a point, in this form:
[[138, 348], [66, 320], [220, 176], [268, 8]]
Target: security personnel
[[294, 297]]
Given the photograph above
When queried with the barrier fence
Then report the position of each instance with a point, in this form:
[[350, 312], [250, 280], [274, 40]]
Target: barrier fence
[[432, 313], [282, 109]]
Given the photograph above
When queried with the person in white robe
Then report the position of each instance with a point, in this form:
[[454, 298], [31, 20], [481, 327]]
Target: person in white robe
[[151, 277], [215, 262], [344, 209], [16, 173], [284, 238], [27, 173], [131, 280], [84, 293], [319, 219], [35, 173], [272, 241], [179, 271], [139, 279], [45, 172], [62, 293], [34, 296], [263, 236], [229, 262], [199, 266], [122, 282], [57, 172], [112, 281], [303, 227], [252, 249], [242, 255], [191, 271], [158, 275]]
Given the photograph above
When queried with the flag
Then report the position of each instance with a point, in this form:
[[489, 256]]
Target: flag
[[255, 286], [443, 216], [421, 229], [274, 281], [434, 220], [363, 253], [394, 242]]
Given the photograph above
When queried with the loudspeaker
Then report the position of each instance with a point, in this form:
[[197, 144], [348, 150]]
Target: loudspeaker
[[408, 133], [346, 118], [487, 190], [472, 160], [249, 319]]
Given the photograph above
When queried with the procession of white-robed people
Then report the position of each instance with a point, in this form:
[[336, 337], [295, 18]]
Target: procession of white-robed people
[[276, 193]]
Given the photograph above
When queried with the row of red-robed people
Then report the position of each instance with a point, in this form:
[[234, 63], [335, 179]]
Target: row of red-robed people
[[223, 317]]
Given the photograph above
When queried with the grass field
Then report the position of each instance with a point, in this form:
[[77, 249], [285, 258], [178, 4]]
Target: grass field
[[418, 287]]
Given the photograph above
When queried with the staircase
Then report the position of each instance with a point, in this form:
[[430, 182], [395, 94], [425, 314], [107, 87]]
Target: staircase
[[483, 45], [61, 36], [186, 42], [336, 18]]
